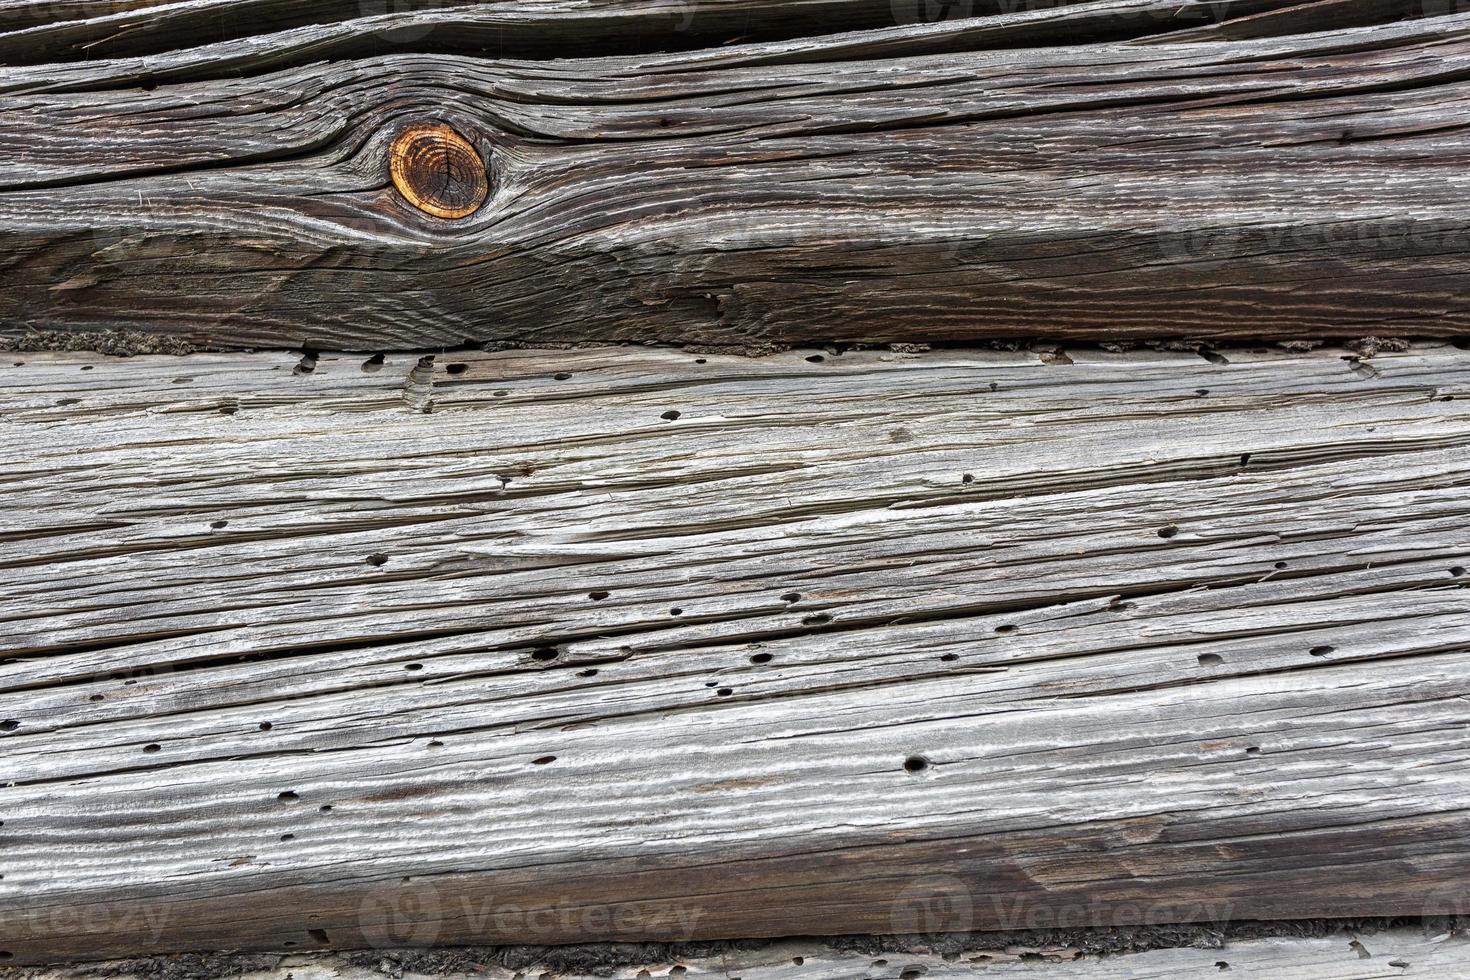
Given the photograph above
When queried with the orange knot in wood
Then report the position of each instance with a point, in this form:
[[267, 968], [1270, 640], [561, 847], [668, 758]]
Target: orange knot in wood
[[438, 171]]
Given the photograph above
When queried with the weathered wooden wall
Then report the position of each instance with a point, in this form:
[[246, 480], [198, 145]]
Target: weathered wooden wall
[[738, 173], [614, 644]]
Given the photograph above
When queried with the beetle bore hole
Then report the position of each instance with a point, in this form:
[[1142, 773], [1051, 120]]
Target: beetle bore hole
[[377, 561], [561, 376], [97, 697], [1006, 628], [545, 654], [545, 760], [968, 478], [413, 667], [9, 725], [725, 692], [456, 368], [915, 763], [217, 525], [761, 658], [1458, 571], [266, 726], [319, 936], [791, 597], [816, 358], [152, 747], [1252, 750], [950, 658], [288, 837], [670, 415], [287, 797], [598, 596], [817, 619], [1321, 651], [676, 611], [1210, 660], [1168, 531], [589, 672]]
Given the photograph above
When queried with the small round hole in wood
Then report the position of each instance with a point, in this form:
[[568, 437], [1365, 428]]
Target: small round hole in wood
[[438, 171]]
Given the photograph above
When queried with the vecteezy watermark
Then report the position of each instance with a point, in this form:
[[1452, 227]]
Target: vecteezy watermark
[[1019, 913], [409, 913], [1205, 218], [1195, 217], [946, 905], [416, 913], [401, 21], [142, 920], [933, 11], [1446, 910], [933, 904]]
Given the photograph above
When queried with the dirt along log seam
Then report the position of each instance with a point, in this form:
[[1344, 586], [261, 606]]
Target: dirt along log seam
[[745, 174]]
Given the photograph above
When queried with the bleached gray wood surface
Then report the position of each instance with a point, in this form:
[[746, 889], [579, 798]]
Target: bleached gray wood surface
[[561, 646]]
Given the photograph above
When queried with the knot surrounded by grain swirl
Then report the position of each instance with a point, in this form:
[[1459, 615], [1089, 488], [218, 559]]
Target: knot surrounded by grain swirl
[[438, 171]]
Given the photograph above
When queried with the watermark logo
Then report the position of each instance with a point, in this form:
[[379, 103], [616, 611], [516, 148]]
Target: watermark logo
[[1197, 220], [1446, 911], [933, 904], [399, 21], [933, 11], [409, 913], [1443, 8]]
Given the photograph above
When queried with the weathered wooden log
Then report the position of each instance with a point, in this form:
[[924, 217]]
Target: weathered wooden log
[[1109, 168], [1347, 954], [605, 644]]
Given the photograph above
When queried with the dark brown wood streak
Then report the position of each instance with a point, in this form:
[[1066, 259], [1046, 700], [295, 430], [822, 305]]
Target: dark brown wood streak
[[1101, 169]]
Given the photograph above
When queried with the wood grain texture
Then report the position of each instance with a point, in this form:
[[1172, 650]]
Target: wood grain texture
[[1348, 955], [1110, 168], [609, 644]]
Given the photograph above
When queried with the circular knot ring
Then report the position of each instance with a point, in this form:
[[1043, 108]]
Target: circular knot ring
[[438, 171]]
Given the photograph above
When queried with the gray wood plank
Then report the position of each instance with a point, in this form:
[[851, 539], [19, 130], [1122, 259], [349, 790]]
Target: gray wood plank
[[644, 645]]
